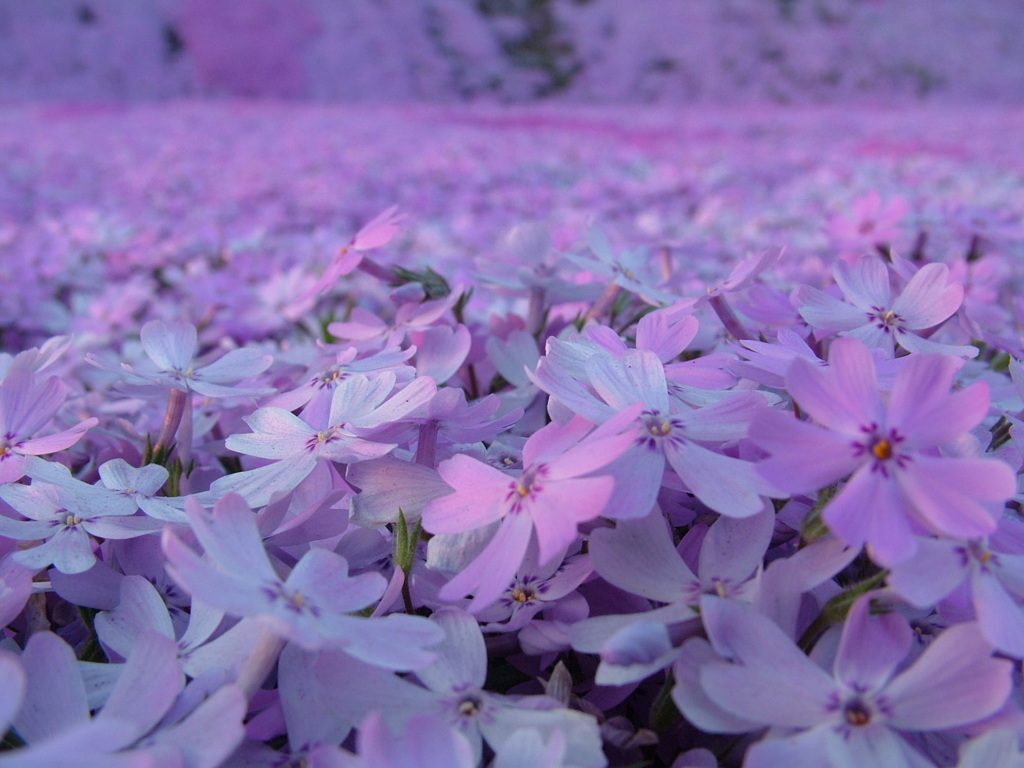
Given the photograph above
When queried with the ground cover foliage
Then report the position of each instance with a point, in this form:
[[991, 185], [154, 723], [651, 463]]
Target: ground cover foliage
[[338, 436]]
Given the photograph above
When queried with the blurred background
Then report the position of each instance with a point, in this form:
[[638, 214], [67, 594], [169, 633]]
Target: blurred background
[[580, 51]]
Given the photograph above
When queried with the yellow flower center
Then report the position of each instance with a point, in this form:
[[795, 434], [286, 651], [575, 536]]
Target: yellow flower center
[[882, 450]]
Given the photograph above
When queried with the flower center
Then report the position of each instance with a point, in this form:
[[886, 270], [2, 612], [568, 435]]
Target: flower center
[[522, 595], [470, 706], [882, 450], [857, 713]]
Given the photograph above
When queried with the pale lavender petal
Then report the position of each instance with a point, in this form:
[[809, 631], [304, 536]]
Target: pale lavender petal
[[665, 335], [844, 398], [583, 739], [871, 646], [954, 682], [637, 377], [395, 641], [696, 706], [15, 588], [148, 684], [118, 527], [25, 405], [773, 683], [277, 434], [493, 569], [947, 493], [638, 474], [141, 609], [210, 733], [929, 297], [864, 283], [634, 652], [803, 457], [40, 446], [914, 343], [785, 580], [999, 615], [358, 396], [729, 486], [441, 351], [825, 312], [804, 750], [477, 500], [236, 365], [722, 421], [868, 510], [257, 486], [170, 345], [388, 484], [995, 749], [461, 662], [236, 595], [639, 557], [119, 475], [55, 698], [560, 506], [323, 576], [874, 745], [923, 409], [69, 551], [735, 547], [937, 568], [230, 538]]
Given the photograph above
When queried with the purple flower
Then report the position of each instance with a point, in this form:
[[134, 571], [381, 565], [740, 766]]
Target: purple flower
[[548, 498], [311, 606], [871, 314], [854, 715], [27, 405], [899, 480]]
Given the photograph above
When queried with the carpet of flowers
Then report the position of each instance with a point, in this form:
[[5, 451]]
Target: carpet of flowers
[[395, 437]]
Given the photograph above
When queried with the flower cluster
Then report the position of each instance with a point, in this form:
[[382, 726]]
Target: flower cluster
[[391, 489]]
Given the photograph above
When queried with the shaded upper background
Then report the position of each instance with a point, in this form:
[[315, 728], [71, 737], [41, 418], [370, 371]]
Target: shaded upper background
[[581, 51]]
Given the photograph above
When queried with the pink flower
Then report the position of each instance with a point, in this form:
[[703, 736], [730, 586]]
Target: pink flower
[[548, 498], [899, 480]]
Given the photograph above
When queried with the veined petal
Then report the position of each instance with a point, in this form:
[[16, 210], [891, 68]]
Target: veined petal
[[929, 297], [55, 697], [727, 485], [935, 570], [869, 509], [999, 615], [946, 494], [495, 567], [845, 398], [773, 683], [25, 405], [803, 457], [276, 434], [864, 283], [230, 538], [924, 410], [236, 365], [639, 557], [171, 345], [871, 647], [478, 499], [461, 662], [954, 682], [140, 609], [560, 505], [323, 575], [827, 313], [637, 377]]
